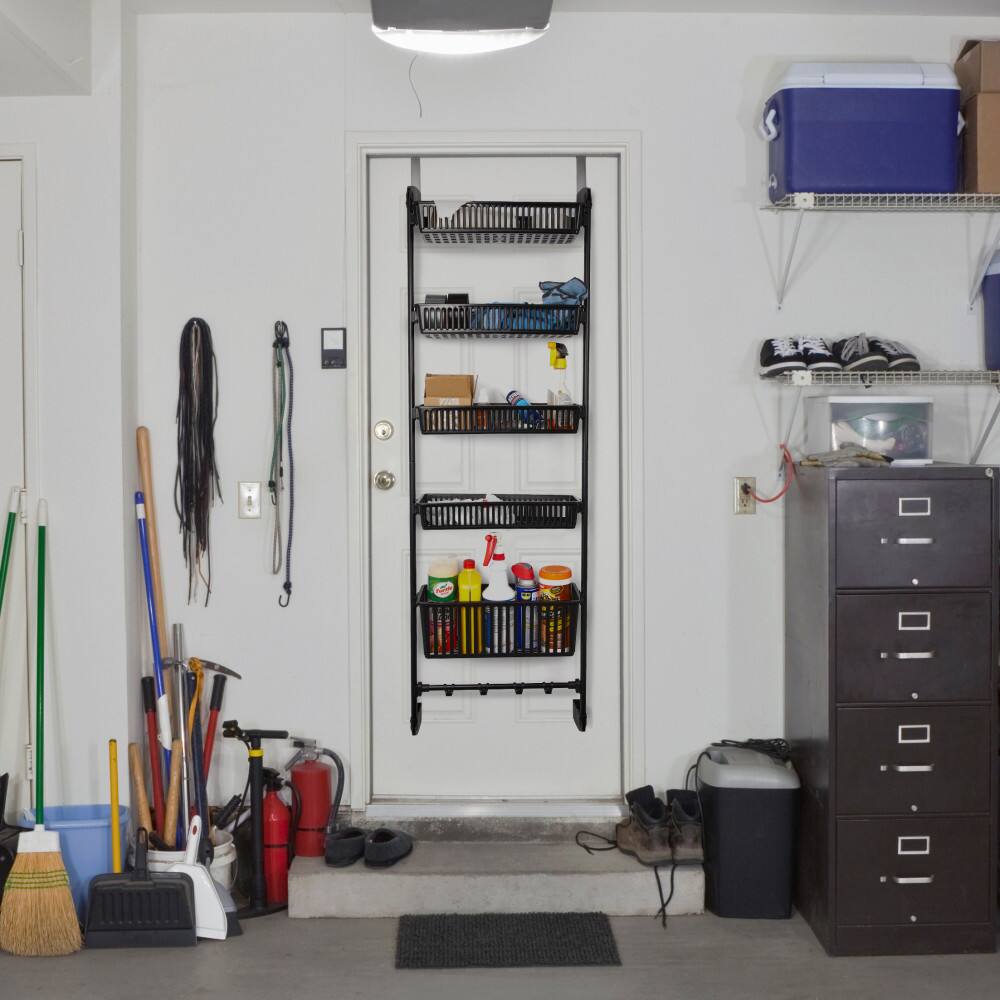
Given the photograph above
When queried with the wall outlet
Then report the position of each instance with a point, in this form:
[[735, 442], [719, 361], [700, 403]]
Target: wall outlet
[[743, 501], [249, 500]]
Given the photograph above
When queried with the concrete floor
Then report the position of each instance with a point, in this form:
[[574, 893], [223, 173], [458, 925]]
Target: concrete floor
[[696, 958]]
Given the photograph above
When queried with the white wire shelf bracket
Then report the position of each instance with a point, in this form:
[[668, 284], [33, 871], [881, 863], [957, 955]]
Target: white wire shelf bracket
[[807, 202], [871, 379]]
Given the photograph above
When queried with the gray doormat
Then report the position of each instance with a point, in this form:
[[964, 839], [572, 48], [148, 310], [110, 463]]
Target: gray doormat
[[504, 940]]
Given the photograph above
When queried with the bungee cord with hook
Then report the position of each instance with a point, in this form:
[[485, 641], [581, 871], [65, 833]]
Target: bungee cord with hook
[[282, 392]]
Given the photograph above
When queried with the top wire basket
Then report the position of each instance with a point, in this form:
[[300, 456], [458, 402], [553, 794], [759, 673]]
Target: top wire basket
[[549, 223]]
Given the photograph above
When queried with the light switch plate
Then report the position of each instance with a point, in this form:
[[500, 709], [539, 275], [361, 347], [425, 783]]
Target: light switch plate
[[249, 500]]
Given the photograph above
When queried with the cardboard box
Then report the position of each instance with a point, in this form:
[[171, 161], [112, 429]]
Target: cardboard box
[[449, 390], [982, 144], [978, 69]]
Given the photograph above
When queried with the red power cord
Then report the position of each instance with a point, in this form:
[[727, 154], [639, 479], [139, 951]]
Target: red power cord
[[789, 476]]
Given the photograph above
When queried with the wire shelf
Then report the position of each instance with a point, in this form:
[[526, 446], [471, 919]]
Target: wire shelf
[[870, 379], [444, 511], [500, 418], [888, 202], [545, 223], [484, 629], [498, 320]]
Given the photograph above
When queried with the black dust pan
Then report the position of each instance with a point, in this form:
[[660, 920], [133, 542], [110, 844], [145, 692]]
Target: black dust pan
[[139, 910]]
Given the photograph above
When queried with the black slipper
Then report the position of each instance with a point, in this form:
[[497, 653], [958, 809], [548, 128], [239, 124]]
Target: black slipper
[[383, 847], [344, 847]]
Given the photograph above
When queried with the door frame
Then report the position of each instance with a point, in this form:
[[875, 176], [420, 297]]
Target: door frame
[[360, 149]]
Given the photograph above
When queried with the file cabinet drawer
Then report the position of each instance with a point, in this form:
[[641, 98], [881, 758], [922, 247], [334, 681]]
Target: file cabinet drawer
[[913, 760], [913, 533], [909, 647], [913, 871]]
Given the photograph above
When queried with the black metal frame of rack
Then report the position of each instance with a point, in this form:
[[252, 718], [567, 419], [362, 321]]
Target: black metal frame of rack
[[559, 631]]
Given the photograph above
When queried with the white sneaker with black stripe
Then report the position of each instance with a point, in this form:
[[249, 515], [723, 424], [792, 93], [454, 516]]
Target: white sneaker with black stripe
[[859, 354], [779, 355]]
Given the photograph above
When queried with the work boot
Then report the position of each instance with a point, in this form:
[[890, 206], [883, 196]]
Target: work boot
[[684, 821], [645, 832]]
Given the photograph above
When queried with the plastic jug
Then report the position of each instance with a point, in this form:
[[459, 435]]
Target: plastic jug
[[442, 588], [470, 588]]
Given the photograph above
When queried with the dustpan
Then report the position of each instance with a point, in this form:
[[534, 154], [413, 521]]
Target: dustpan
[[140, 910], [210, 916]]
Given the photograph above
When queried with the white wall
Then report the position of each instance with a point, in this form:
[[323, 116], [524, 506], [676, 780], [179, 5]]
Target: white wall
[[75, 378], [241, 190]]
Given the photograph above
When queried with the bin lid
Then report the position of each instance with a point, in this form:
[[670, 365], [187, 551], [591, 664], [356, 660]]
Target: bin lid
[[994, 267], [870, 75], [738, 767]]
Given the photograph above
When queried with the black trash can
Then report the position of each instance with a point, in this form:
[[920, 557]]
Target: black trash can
[[748, 801]]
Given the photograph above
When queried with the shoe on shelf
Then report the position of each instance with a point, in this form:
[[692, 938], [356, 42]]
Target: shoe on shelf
[[645, 833], [859, 354], [779, 355], [901, 358], [817, 355], [684, 819]]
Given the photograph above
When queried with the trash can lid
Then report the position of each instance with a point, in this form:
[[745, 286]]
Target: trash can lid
[[738, 767]]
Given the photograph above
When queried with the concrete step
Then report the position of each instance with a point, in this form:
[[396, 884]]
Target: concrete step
[[491, 877]]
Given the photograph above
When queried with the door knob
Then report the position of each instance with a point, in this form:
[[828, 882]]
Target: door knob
[[385, 480]]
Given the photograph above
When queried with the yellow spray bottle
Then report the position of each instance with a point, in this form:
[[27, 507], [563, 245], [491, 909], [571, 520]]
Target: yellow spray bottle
[[558, 394]]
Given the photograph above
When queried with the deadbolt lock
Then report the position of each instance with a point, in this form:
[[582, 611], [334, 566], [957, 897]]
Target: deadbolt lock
[[385, 480], [383, 430]]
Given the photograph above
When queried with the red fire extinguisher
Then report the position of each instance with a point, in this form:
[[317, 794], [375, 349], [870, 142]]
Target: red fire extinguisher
[[311, 781], [277, 839]]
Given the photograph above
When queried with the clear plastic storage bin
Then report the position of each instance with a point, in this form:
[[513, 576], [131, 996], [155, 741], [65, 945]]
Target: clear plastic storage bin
[[896, 426]]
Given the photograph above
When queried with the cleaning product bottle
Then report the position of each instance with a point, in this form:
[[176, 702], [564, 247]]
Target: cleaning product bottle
[[523, 407], [525, 618], [499, 624], [442, 588], [558, 394], [470, 588]]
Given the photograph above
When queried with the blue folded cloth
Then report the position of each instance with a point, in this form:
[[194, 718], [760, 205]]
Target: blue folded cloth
[[568, 293]]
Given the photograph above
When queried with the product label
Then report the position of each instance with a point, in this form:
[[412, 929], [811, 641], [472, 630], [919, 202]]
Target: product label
[[550, 593], [443, 590]]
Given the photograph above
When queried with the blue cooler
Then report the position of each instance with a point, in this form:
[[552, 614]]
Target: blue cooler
[[991, 314], [864, 128]]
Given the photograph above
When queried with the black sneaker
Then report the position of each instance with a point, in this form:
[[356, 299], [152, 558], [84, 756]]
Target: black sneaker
[[684, 820], [779, 355], [859, 354], [901, 358], [817, 355]]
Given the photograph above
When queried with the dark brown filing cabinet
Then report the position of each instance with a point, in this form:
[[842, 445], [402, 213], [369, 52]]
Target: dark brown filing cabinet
[[891, 618]]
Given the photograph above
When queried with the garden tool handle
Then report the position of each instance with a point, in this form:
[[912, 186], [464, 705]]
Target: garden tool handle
[[139, 787]]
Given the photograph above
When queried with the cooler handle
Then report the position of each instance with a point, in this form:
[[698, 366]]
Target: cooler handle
[[767, 127]]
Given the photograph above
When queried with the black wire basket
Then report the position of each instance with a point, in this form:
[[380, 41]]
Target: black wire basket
[[550, 223], [498, 320], [500, 418], [441, 511], [478, 629]]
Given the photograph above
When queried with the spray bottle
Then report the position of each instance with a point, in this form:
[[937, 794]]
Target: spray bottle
[[558, 394], [499, 625]]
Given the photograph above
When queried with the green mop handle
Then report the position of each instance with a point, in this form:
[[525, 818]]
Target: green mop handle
[[8, 539], [43, 517]]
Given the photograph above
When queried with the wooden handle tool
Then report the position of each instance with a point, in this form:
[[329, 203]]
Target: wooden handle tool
[[144, 449], [169, 831], [143, 817]]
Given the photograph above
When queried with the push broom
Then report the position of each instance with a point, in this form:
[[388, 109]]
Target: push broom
[[37, 916]]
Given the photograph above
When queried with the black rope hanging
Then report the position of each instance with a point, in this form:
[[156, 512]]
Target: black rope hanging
[[196, 484], [282, 361]]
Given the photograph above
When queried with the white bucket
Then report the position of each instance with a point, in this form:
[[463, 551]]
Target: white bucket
[[223, 865]]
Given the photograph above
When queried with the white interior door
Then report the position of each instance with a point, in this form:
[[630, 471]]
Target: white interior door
[[14, 696], [502, 745]]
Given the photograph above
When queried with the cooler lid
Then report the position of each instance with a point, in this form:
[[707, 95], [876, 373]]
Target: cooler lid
[[994, 267], [737, 767], [870, 75]]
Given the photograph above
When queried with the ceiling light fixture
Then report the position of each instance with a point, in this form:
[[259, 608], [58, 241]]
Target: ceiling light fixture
[[459, 27]]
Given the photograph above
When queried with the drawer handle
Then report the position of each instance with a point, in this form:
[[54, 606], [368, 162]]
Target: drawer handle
[[913, 768], [924, 655], [914, 541], [913, 879]]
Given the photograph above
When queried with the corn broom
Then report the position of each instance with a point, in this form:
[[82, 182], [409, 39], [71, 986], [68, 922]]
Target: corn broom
[[37, 916]]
